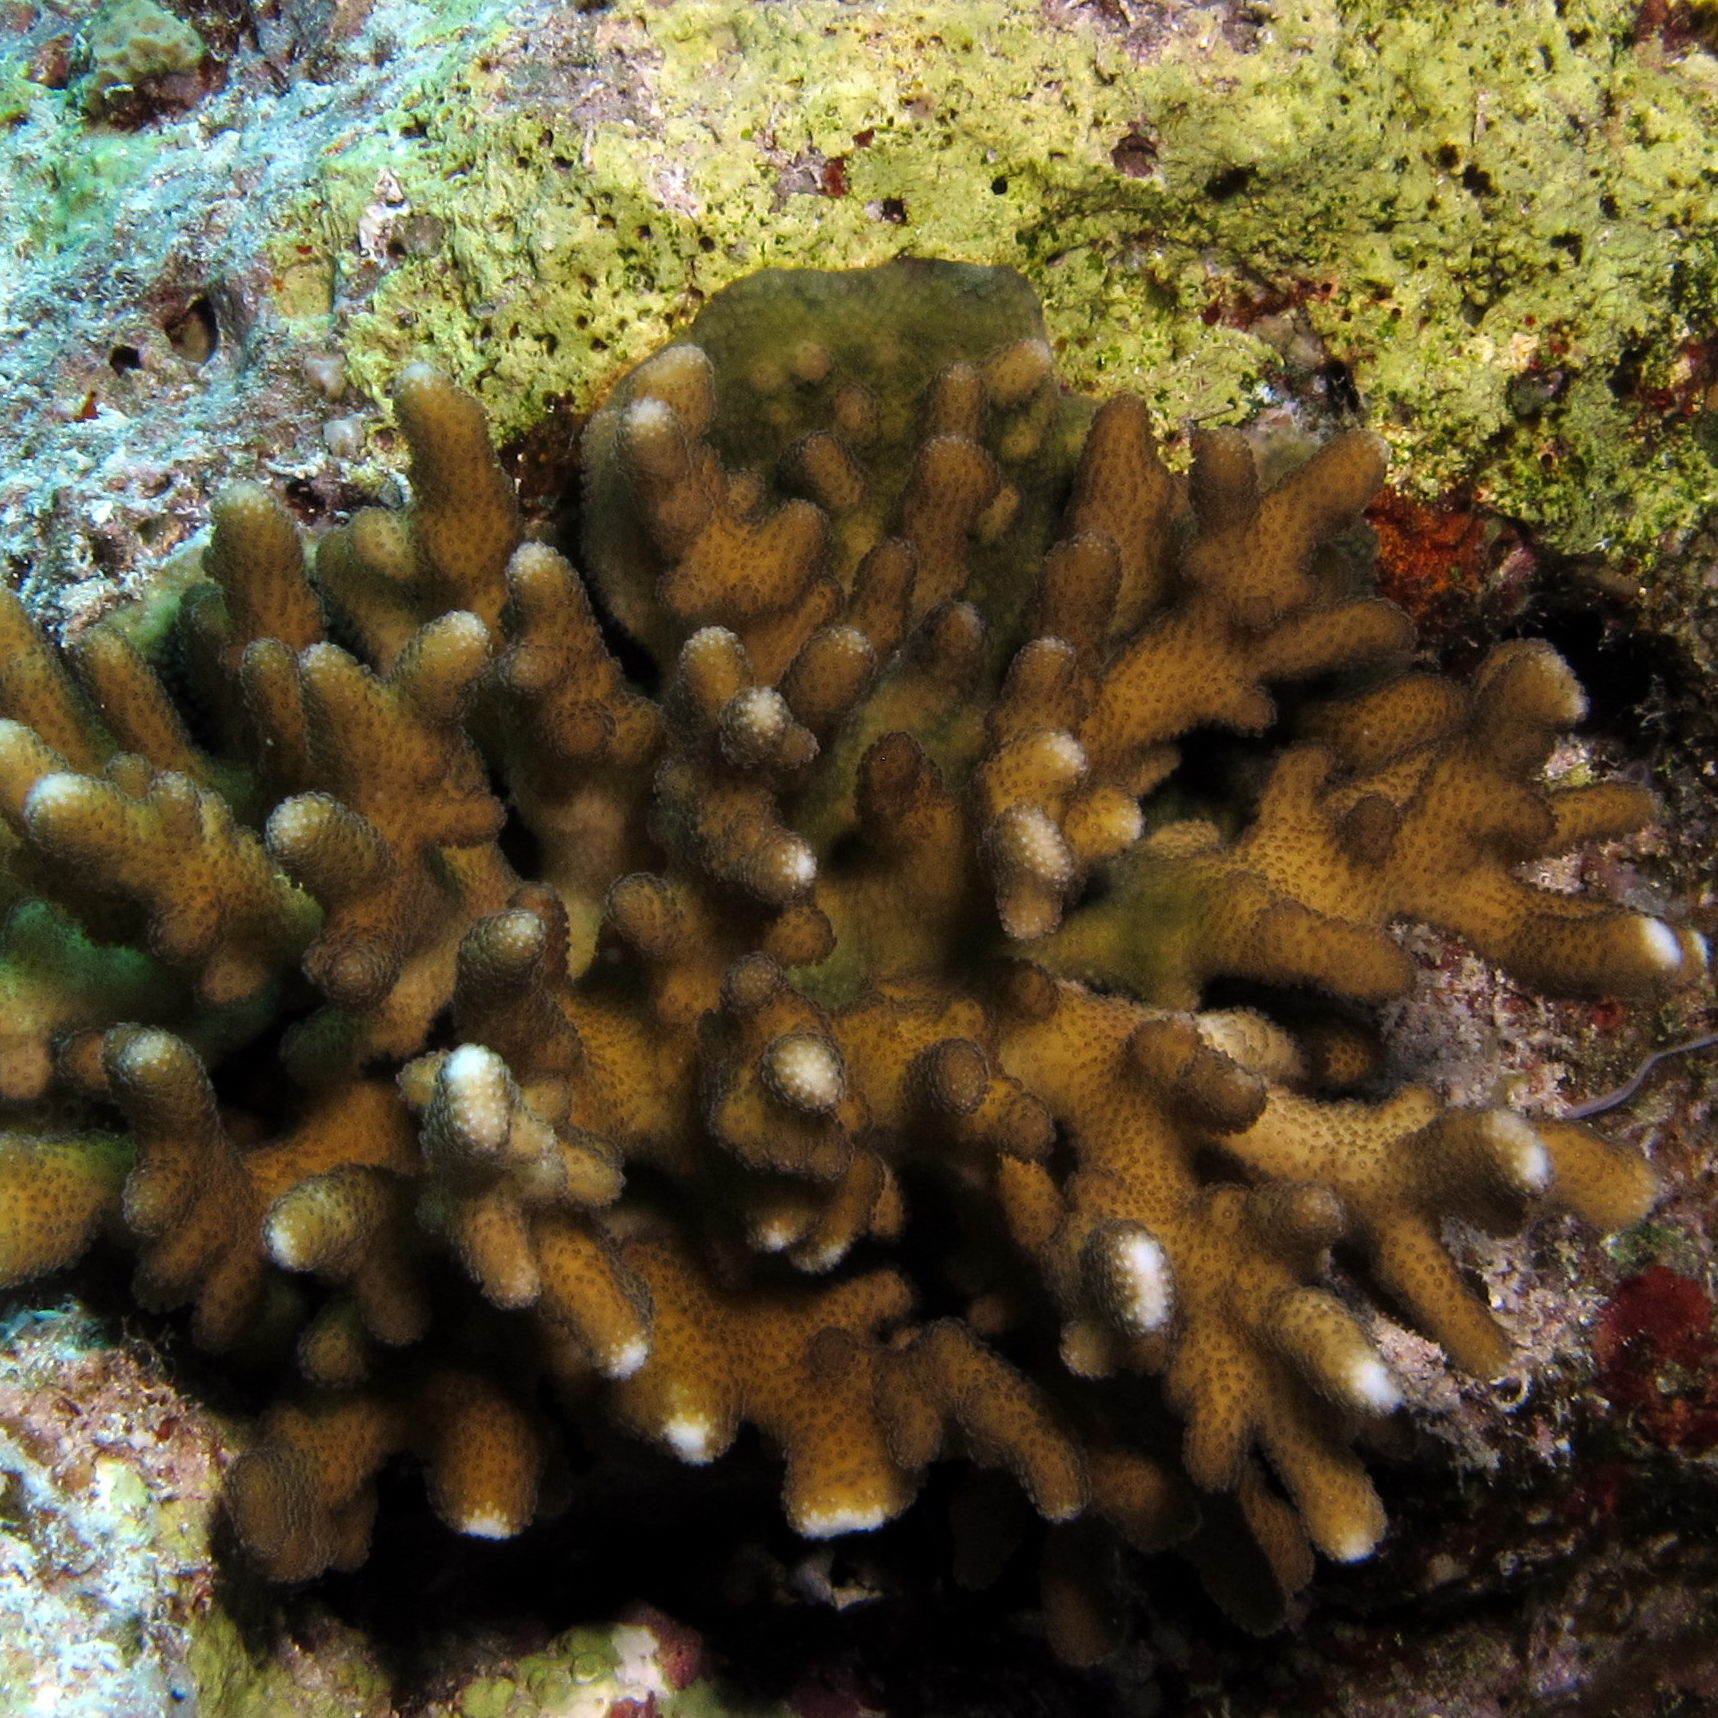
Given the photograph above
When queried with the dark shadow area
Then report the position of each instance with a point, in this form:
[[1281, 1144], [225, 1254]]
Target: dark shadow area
[[1629, 672], [866, 1620]]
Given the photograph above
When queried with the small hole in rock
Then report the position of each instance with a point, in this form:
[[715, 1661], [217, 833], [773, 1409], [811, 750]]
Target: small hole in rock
[[1229, 183], [1135, 155], [194, 333]]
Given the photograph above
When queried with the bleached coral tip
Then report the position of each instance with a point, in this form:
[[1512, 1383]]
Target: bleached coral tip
[[690, 1438], [649, 414], [1371, 1386], [803, 1070], [57, 793], [286, 1242], [1353, 1544], [488, 1525], [468, 1062], [853, 1518], [1142, 1273], [1520, 1151], [626, 1359], [1660, 944], [479, 1091]]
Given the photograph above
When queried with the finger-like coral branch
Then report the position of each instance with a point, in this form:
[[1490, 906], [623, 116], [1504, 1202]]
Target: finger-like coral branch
[[840, 1066]]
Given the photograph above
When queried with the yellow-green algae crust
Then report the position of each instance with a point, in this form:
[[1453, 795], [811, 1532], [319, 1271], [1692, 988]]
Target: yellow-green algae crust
[[1453, 196]]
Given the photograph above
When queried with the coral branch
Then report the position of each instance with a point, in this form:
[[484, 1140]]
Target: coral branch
[[841, 1068]]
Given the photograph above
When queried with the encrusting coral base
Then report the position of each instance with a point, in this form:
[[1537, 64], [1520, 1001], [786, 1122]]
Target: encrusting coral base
[[458, 1022]]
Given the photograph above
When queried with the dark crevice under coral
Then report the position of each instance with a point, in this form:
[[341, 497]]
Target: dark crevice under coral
[[864, 1025]]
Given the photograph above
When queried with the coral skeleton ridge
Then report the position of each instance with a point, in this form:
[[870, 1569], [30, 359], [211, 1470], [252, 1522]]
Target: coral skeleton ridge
[[801, 1026]]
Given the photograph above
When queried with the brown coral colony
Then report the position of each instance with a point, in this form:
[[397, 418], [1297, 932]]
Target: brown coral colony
[[879, 907]]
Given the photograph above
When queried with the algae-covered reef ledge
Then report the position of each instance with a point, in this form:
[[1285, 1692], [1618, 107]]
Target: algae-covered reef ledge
[[1491, 215], [1495, 221]]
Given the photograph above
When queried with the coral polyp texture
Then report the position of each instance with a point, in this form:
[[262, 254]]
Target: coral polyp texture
[[759, 982]]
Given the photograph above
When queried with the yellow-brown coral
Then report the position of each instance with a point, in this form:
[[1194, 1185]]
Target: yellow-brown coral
[[877, 907]]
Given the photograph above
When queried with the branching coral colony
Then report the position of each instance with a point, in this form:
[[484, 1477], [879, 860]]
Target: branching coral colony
[[840, 1070]]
